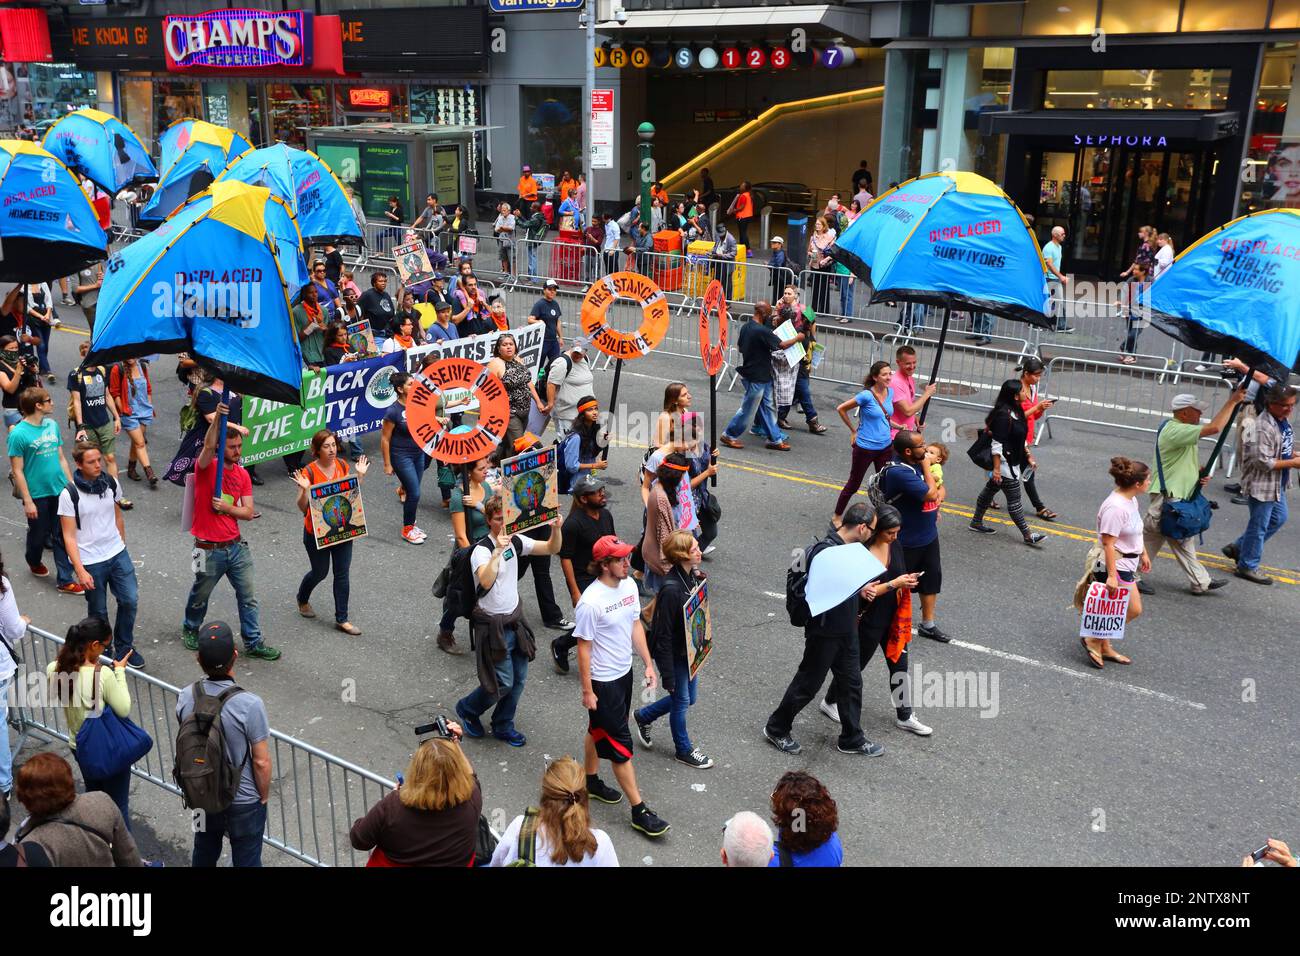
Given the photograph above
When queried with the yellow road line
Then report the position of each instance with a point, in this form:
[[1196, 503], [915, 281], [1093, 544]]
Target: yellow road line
[[64, 328]]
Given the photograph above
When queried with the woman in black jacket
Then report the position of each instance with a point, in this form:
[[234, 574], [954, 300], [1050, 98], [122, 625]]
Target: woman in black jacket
[[667, 640], [1009, 428]]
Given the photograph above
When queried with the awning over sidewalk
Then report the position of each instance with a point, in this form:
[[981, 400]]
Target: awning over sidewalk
[[853, 23]]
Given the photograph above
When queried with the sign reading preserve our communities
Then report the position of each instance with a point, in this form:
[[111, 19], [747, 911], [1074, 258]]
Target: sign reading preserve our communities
[[238, 38]]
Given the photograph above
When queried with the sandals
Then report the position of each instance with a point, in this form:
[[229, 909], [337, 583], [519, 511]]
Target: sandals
[[1047, 514], [1094, 657], [1116, 656]]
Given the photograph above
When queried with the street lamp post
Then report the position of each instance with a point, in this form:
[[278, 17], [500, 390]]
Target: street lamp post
[[646, 134], [588, 86]]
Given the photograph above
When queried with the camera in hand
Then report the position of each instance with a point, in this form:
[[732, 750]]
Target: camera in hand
[[438, 728]]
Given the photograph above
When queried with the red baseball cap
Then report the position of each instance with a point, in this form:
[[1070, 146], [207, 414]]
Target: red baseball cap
[[610, 547]]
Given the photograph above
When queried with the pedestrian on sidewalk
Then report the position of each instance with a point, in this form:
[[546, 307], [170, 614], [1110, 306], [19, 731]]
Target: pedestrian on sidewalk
[[66, 828], [871, 436], [94, 413], [558, 831], [807, 823], [40, 473], [94, 534], [1266, 477], [130, 385], [907, 404], [1178, 478], [1056, 279]]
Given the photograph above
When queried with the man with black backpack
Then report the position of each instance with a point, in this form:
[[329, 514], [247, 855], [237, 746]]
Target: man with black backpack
[[568, 380], [910, 488], [223, 761], [830, 646]]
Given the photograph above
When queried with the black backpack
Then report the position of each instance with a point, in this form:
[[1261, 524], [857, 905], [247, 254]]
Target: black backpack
[[461, 590], [75, 495], [796, 581], [203, 771]]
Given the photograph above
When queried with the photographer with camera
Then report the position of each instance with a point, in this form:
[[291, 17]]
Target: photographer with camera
[[17, 374], [432, 818]]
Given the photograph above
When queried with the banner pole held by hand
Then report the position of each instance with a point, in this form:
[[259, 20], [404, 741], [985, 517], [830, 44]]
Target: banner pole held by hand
[[713, 424], [613, 398], [1223, 435], [938, 356], [221, 443]]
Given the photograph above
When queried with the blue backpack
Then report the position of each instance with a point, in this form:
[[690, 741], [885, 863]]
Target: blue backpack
[[564, 477]]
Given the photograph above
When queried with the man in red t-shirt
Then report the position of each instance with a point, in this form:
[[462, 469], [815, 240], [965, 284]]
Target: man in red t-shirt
[[219, 551]]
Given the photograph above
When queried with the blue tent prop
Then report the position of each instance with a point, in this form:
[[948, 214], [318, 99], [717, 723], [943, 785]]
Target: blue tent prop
[[1236, 291], [951, 239], [102, 148], [193, 155], [48, 227], [308, 185], [216, 280]]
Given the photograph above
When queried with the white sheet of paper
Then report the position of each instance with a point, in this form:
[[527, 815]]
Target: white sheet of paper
[[1103, 616], [836, 573], [795, 353]]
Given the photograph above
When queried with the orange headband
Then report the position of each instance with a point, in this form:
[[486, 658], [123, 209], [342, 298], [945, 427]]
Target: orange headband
[[586, 405], [670, 465]]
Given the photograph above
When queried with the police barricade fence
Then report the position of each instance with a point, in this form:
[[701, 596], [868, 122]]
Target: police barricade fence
[[315, 796], [1148, 360], [1128, 397]]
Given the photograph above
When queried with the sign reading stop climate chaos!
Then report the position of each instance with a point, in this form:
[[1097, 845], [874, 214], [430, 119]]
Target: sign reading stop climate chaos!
[[654, 315], [712, 355], [429, 400]]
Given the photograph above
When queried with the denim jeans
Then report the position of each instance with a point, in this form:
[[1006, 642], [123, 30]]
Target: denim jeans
[[235, 562], [43, 333], [846, 296], [1131, 340], [981, 323], [758, 399], [409, 467], [803, 397], [117, 574], [1056, 305], [6, 756], [321, 559], [511, 672], [244, 823], [118, 787], [532, 258], [12, 417], [1266, 519], [675, 706], [43, 532]]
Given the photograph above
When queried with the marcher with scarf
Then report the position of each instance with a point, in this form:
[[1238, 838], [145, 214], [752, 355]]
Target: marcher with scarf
[[406, 334], [580, 448], [326, 466], [669, 508], [95, 538], [132, 390], [309, 320], [667, 639], [1009, 429], [403, 456], [886, 621], [518, 380]]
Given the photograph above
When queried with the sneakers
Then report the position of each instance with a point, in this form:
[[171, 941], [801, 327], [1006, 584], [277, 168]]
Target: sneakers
[[981, 528], [420, 531], [513, 737], [69, 301], [644, 819], [411, 536], [643, 732], [695, 759], [830, 710], [786, 744], [39, 570], [262, 653], [190, 638], [71, 588], [135, 661], [1246, 574], [1068, 330], [563, 624], [560, 657], [709, 550], [933, 633], [1231, 550], [598, 789], [866, 749], [914, 725], [1034, 538], [472, 726]]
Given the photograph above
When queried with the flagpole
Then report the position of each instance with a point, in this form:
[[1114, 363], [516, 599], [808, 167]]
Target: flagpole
[[1223, 435], [613, 397], [221, 442], [938, 356], [713, 423]]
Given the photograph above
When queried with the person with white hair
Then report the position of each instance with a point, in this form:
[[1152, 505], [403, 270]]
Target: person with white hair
[[746, 841], [1056, 279]]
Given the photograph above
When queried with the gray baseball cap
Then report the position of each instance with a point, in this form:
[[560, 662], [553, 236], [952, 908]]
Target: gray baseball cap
[[587, 484]]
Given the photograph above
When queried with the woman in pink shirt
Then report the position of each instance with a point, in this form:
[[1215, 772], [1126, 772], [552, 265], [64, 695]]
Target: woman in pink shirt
[[1123, 552]]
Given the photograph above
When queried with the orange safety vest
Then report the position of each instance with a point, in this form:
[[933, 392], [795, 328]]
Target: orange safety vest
[[527, 188]]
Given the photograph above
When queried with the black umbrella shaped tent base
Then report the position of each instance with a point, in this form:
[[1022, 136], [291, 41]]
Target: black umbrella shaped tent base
[[39, 260], [236, 379], [1196, 336]]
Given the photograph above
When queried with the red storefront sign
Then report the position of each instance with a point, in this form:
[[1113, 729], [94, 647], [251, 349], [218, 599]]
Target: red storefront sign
[[237, 39], [379, 99], [25, 36]]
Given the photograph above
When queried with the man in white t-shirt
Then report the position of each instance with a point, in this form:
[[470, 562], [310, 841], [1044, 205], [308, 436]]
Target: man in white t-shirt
[[95, 538], [608, 629], [503, 642]]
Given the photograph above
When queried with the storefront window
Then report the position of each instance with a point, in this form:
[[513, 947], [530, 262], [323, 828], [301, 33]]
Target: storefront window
[[1126, 16], [175, 100], [137, 108], [371, 103], [446, 105], [235, 105], [59, 88], [1201, 15], [551, 133], [290, 107], [1137, 89], [1271, 174], [1063, 17]]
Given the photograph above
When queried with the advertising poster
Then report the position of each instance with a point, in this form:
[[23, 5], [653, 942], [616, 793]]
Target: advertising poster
[[344, 159], [385, 171], [413, 263], [1103, 615], [336, 511], [699, 628], [530, 489]]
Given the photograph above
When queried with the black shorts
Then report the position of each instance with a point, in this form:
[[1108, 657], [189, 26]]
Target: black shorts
[[925, 558], [607, 724]]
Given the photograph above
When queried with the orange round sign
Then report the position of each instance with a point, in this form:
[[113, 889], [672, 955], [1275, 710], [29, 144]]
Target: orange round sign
[[654, 315], [712, 355], [432, 387]]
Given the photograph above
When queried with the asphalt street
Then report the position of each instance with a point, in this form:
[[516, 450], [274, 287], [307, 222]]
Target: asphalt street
[[1188, 756]]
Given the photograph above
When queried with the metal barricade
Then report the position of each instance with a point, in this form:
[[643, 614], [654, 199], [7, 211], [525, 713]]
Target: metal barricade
[[315, 795]]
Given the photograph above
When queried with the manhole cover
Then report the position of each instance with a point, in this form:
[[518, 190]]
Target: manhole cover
[[969, 430], [952, 388]]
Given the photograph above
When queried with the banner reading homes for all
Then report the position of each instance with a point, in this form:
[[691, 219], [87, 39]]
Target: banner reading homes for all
[[350, 399]]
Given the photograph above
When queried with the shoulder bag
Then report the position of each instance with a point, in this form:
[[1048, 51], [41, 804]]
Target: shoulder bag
[[1181, 519], [108, 744]]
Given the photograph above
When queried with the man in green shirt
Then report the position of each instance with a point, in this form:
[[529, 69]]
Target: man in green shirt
[[1179, 457], [40, 473]]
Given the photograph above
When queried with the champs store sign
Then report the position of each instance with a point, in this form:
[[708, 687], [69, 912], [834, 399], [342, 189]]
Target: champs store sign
[[238, 38]]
